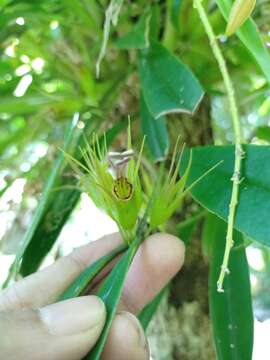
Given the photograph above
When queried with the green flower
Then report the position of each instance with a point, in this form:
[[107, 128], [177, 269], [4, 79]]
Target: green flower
[[112, 182]]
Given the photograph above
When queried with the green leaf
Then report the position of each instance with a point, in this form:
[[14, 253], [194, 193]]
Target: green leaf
[[46, 194], [175, 12], [230, 312], [29, 104], [186, 228], [81, 282], [149, 310], [110, 293], [214, 191], [157, 137], [112, 288], [168, 85], [250, 37], [138, 37], [154, 22], [263, 132]]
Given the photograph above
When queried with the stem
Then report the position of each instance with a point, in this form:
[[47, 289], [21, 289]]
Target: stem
[[239, 153]]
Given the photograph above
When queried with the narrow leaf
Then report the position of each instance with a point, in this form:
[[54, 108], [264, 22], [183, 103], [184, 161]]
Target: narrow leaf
[[112, 288], [46, 194], [81, 282], [250, 37], [240, 12], [149, 310], [111, 292], [175, 12], [186, 228], [231, 317]]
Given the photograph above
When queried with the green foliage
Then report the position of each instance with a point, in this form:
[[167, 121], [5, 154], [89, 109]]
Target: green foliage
[[231, 311], [213, 192], [138, 37], [43, 205], [111, 290], [77, 287], [251, 38], [62, 198], [149, 310], [168, 86], [155, 130]]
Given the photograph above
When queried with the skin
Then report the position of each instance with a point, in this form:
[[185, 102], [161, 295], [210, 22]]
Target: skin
[[34, 326]]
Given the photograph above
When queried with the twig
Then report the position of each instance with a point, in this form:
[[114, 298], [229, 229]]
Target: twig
[[239, 153]]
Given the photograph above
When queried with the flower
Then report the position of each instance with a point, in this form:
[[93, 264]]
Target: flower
[[112, 182]]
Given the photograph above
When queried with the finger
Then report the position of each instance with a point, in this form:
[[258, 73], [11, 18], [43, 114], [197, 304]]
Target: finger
[[44, 287], [63, 331], [126, 339], [159, 258]]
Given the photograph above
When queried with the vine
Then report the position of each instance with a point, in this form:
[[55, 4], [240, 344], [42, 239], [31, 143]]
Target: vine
[[239, 153]]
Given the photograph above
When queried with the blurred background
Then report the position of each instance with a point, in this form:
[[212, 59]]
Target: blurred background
[[48, 51]]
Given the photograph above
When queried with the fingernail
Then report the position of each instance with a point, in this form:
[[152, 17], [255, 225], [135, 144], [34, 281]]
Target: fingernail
[[73, 316], [142, 340]]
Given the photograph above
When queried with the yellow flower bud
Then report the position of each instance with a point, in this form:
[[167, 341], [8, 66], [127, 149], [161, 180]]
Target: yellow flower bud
[[240, 12]]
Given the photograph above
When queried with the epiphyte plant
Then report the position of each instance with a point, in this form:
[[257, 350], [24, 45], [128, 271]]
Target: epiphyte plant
[[120, 187]]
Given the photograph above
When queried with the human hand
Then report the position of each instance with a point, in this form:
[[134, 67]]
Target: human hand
[[35, 327]]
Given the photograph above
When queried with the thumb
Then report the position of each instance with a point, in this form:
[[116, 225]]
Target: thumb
[[63, 331]]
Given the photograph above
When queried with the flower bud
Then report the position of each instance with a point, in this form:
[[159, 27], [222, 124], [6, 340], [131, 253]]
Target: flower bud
[[240, 12]]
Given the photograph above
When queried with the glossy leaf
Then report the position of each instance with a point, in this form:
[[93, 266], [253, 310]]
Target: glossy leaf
[[168, 86], [250, 37], [157, 137], [214, 191], [81, 282], [230, 312]]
